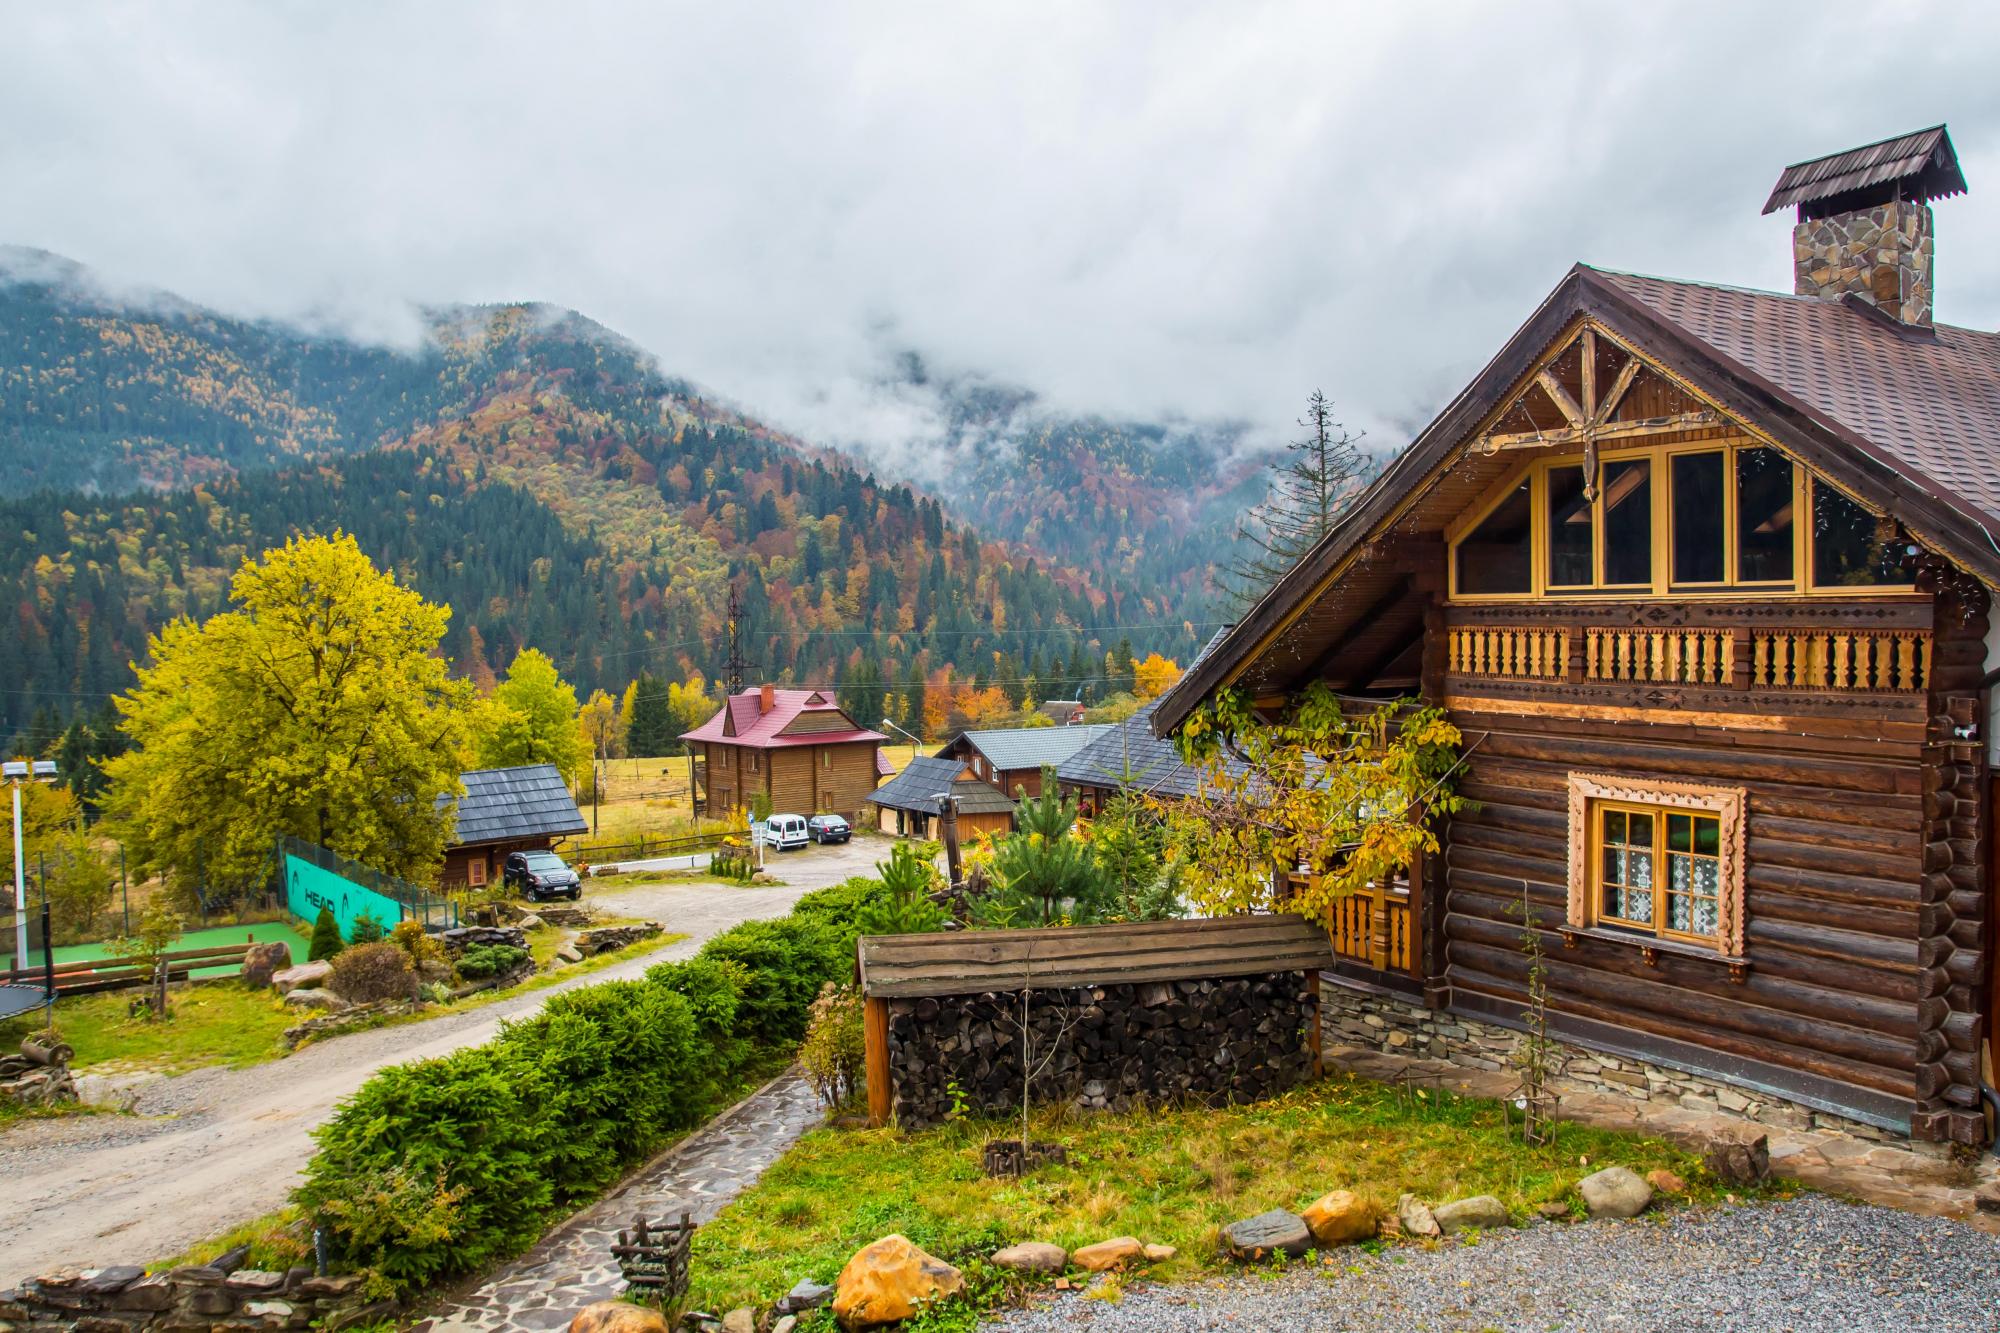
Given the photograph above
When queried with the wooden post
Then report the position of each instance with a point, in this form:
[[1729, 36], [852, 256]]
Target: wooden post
[[875, 1027], [948, 827], [1318, 1050]]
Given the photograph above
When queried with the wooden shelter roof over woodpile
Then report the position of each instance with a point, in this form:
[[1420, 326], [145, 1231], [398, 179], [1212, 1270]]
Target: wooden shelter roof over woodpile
[[974, 962], [1920, 166]]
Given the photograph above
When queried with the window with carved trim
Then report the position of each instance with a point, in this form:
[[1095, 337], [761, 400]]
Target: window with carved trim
[[1657, 860]]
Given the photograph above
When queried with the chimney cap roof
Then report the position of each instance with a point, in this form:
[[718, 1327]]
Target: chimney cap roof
[[1921, 165]]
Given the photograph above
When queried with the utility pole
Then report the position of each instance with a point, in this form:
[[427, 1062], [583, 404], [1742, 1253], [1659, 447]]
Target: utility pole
[[17, 771], [734, 666]]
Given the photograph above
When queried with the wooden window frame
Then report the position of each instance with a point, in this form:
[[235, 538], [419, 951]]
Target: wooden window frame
[[1535, 473], [1591, 792], [475, 872]]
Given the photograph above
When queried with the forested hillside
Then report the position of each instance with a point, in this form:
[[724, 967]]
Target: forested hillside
[[527, 467]]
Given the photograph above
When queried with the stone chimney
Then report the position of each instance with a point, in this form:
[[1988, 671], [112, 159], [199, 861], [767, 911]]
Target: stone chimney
[[1864, 222], [767, 699]]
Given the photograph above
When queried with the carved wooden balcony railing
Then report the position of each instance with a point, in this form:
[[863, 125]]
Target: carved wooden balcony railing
[[1373, 926], [1894, 661], [1531, 652], [1658, 656], [1759, 652]]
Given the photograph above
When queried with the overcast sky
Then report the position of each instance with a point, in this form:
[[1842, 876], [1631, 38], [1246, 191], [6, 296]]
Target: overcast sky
[[1141, 209]]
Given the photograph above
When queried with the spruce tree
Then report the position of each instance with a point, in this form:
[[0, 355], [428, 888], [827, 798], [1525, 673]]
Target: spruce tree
[[1310, 489]]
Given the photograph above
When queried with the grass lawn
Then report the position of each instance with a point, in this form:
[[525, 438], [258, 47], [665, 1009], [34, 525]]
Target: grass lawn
[[220, 1023], [214, 1023], [1167, 1177]]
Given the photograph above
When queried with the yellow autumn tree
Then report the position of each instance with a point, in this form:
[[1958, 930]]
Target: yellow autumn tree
[[318, 707], [1346, 800], [1154, 676]]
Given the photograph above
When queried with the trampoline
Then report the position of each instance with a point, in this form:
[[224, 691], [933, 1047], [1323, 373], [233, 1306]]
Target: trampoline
[[23, 991]]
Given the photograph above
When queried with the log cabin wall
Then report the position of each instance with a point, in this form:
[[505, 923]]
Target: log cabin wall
[[1858, 988]]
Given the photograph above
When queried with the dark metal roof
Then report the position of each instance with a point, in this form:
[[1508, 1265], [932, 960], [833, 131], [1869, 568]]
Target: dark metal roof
[[1920, 166], [923, 780], [1131, 748], [1013, 748], [504, 804], [916, 788]]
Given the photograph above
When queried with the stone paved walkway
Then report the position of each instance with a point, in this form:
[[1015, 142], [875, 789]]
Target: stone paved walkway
[[1874, 1172], [572, 1265]]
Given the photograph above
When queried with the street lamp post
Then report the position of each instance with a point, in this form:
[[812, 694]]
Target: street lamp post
[[16, 771], [914, 742]]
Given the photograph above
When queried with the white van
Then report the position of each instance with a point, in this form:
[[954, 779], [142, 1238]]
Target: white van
[[785, 831]]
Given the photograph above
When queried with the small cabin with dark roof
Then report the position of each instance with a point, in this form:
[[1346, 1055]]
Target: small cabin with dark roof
[[911, 801], [1704, 577], [507, 810], [795, 746]]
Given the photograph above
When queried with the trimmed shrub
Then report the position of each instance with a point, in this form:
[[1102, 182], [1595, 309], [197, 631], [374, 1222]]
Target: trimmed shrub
[[366, 973], [420, 945], [326, 941], [440, 1167], [835, 1048], [490, 960]]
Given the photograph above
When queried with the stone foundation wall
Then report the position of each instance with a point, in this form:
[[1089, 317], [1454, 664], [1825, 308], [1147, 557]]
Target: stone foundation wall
[[1374, 1021], [1215, 1041], [606, 938], [128, 1300]]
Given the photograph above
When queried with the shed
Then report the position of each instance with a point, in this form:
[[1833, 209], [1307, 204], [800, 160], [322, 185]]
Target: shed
[[507, 810]]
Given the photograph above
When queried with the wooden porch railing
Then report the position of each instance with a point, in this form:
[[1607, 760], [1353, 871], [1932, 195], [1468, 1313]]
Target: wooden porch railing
[[1372, 926], [1872, 661]]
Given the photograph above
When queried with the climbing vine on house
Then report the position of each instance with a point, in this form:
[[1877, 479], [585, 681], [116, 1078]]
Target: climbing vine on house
[[1348, 797]]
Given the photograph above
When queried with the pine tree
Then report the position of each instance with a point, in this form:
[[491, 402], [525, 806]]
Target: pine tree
[[326, 941], [1310, 490]]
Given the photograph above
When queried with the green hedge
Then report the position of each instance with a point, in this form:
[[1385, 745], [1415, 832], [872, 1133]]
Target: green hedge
[[442, 1166]]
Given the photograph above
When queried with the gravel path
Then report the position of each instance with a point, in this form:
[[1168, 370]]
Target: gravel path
[[217, 1147], [1811, 1264]]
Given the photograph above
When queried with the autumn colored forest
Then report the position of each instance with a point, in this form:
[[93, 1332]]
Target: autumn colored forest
[[537, 474]]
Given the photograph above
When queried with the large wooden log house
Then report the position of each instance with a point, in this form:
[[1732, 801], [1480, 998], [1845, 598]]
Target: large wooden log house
[[796, 747], [1704, 577]]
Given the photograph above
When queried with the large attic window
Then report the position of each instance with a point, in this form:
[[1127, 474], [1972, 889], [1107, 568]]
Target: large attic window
[[1701, 519], [1854, 549], [1497, 557]]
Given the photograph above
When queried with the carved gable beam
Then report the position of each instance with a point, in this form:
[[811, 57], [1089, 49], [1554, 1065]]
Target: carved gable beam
[[1566, 389]]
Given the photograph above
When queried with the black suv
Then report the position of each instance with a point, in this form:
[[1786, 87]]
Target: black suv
[[539, 876]]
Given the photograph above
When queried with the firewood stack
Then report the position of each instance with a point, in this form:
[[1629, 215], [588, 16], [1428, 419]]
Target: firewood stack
[[1101, 1047]]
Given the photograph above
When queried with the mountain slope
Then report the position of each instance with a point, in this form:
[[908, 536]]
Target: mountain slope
[[528, 467]]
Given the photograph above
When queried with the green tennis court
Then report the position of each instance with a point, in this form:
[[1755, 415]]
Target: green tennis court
[[212, 937]]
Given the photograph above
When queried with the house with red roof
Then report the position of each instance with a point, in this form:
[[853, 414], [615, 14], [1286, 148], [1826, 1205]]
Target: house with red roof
[[796, 746]]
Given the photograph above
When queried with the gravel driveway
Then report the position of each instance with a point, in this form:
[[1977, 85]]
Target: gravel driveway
[[217, 1147], [1811, 1264]]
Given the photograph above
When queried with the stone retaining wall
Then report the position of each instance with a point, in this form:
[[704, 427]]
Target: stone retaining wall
[[1375, 1021], [460, 938], [128, 1300], [1218, 1041], [606, 938]]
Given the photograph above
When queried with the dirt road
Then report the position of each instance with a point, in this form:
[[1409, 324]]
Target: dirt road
[[214, 1148]]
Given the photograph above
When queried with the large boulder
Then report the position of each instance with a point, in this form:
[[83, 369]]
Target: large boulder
[[1341, 1218], [1260, 1237], [890, 1280], [1109, 1254], [1415, 1218], [315, 998], [305, 974], [1032, 1257], [618, 1317], [1739, 1161], [1615, 1192], [1481, 1210], [265, 961]]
